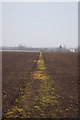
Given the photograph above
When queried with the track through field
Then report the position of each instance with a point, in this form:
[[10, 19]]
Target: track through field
[[38, 98]]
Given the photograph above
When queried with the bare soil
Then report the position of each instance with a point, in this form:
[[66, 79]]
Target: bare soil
[[41, 85], [16, 68], [63, 69]]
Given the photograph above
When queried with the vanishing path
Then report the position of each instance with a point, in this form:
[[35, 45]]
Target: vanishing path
[[38, 99]]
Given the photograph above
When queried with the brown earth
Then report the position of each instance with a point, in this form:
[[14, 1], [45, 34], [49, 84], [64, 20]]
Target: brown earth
[[63, 69], [16, 68], [40, 86]]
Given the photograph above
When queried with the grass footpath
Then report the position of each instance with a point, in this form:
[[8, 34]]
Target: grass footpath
[[38, 98]]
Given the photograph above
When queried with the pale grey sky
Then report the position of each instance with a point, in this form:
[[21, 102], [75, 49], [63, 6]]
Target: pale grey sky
[[40, 24]]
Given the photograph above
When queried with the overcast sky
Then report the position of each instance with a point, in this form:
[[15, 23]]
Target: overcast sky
[[40, 24]]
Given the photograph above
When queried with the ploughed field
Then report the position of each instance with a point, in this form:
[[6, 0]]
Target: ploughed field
[[63, 69], [39, 85], [16, 67]]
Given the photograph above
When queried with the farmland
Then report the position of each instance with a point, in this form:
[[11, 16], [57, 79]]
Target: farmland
[[63, 69], [15, 73], [41, 85]]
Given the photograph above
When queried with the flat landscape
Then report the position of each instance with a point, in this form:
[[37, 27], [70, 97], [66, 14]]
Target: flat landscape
[[40, 85], [63, 69], [15, 73]]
